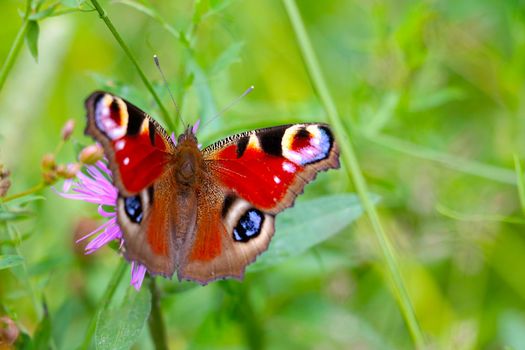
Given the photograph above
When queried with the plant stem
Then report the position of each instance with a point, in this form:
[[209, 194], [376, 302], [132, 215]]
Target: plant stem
[[23, 193], [352, 164], [104, 302], [253, 332], [127, 51], [520, 182], [157, 327], [13, 52]]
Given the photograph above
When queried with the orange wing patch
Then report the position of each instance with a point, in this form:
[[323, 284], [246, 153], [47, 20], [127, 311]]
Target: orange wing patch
[[208, 242]]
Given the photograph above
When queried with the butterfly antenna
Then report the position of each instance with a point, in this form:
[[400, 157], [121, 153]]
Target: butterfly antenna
[[233, 103], [157, 63]]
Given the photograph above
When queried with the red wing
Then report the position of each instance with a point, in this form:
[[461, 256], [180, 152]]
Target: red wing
[[270, 167], [136, 146], [248, 178]]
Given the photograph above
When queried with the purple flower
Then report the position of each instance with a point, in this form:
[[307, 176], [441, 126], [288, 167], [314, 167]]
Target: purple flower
[[96, 187]]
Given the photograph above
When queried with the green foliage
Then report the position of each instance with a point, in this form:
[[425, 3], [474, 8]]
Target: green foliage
[[7, 261], [304, 227], [120, 328]]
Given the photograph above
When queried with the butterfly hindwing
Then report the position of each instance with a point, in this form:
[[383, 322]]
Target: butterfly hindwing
[[145, 224], [250, 177]]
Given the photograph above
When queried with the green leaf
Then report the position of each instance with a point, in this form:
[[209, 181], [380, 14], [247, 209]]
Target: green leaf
[[43, 14], [8, 261], [121, 327], [227, 58], [199, 10], [308, 224], [25, 200], [23, 342], [425, 101], [15, 215], [43, 333], [16, 240], [72, 3], [32, 33], [153, 13]]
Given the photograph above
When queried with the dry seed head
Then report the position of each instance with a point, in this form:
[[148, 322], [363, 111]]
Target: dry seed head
[[48, 161], [4, 186], [49, 177]]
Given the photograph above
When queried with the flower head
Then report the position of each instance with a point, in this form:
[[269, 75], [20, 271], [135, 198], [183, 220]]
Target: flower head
[[95, 186]]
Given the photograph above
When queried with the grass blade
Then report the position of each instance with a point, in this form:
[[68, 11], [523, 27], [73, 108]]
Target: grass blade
[[352, 165], [165, 115]]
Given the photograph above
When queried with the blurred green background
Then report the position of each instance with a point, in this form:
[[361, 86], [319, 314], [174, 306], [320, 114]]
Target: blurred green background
[[430, 93]]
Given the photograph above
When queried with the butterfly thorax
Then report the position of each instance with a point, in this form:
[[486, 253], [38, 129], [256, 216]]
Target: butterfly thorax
[[187, 160]]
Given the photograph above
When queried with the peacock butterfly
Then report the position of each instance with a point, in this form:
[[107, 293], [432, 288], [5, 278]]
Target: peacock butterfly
[[206, 213]]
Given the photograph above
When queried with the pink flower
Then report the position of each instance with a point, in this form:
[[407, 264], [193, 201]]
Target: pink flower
[[96, 187]]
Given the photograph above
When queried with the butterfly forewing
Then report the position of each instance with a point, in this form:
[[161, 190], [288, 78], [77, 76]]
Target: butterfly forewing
[[136, 146]]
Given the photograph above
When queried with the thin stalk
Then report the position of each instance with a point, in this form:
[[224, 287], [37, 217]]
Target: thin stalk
[[157, 327], [352, 165], [127, 51], [252, 329], [520, 182], [33, 189], [104, 302], [13, 52]]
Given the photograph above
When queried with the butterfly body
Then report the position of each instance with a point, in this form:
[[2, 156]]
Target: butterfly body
[[205, 214]]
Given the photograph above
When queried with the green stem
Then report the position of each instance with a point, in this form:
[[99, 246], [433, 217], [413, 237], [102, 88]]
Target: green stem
[[127, 51], [253, 332], [352, 164], [104, 302], [13, 52], [23, 193], [157, 327], [520, 182]]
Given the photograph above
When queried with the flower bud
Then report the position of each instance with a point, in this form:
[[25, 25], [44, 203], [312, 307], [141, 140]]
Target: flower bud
[[61, 170], [4, 186], [91, 154], [49, 177], [8, 331], [48, 161], [71, 170], [67, 129], [5, 183]]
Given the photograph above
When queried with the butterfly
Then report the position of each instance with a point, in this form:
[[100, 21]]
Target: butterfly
[[205, 214]]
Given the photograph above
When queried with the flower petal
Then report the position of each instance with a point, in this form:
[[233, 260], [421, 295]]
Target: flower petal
[[138, 272]]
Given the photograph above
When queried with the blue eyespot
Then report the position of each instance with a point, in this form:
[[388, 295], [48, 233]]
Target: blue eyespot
[[249, 225], [133, 208]]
